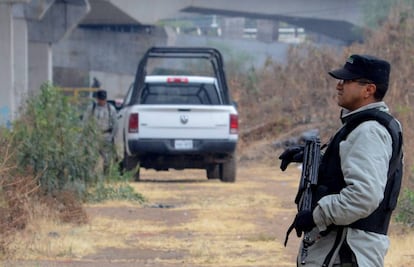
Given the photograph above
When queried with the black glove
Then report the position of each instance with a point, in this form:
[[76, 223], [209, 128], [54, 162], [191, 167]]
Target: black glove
[[291, 154], [303, 222]]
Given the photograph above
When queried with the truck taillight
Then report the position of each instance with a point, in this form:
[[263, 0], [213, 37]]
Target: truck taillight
[[133, 124], [177, 80], [234, 124]]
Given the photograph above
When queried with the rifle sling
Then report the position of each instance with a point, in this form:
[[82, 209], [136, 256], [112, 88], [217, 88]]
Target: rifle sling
[[291, 227]]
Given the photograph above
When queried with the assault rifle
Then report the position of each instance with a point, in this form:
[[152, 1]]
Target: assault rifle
[[308, 181]]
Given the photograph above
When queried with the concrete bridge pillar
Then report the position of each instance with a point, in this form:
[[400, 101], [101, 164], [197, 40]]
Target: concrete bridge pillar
[[40, 65], [6, 63], [20, 45], [49, 21], [267, 30], [233, 27]]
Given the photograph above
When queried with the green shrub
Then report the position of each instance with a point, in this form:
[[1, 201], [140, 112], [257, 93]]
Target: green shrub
[[114, 191], [114, 187], [51, 139]]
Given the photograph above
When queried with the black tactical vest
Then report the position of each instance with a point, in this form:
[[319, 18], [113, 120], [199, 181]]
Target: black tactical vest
[[331, 179]]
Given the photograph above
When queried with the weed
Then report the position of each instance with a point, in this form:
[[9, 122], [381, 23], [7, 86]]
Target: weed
[[114, 187], [51, 138], [111, 191]]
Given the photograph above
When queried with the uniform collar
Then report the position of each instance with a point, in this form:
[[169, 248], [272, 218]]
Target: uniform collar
[[346, 114]]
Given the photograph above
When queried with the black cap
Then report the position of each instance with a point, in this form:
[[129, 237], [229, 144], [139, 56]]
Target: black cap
[[101, 94], [364, 67]]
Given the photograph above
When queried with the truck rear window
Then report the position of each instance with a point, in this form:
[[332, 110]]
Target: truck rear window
[[181, 94]]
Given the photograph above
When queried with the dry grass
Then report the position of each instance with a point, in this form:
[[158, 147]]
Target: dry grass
[[208, 223], [46, 239], [401, 252], [16, 190]]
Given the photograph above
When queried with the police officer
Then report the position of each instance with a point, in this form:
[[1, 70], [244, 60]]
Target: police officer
[[360, 173], [105, 117]]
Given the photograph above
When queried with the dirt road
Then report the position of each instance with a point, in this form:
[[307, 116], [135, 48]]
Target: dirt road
[[186, 221]]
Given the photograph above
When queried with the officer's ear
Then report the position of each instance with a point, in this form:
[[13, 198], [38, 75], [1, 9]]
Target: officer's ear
[[370, 90]]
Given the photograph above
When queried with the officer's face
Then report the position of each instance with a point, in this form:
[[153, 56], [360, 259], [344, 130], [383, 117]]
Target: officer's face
[[353, 94], [101, 102]]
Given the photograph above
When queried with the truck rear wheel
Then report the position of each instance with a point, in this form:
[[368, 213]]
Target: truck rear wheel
[[213, 171], [228, 171], [131, 164]]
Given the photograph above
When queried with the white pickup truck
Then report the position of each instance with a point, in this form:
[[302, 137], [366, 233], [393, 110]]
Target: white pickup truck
[[180, 121]]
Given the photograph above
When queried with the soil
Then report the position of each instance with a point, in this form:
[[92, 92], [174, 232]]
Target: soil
[[198, 222]]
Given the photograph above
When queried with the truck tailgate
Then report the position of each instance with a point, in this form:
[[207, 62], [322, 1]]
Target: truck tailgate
[[190, 122]]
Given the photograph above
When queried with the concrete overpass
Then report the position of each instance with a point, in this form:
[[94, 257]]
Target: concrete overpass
[[29, 29], [337, 19]]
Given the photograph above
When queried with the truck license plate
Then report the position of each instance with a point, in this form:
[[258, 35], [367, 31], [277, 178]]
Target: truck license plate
[[183, 144]]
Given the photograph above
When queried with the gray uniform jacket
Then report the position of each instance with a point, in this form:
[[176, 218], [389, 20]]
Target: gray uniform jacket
[[365, 156], [105, 118]]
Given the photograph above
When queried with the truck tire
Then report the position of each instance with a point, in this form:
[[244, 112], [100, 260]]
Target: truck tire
[[228, 171], [213, 171], [131, 164]]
